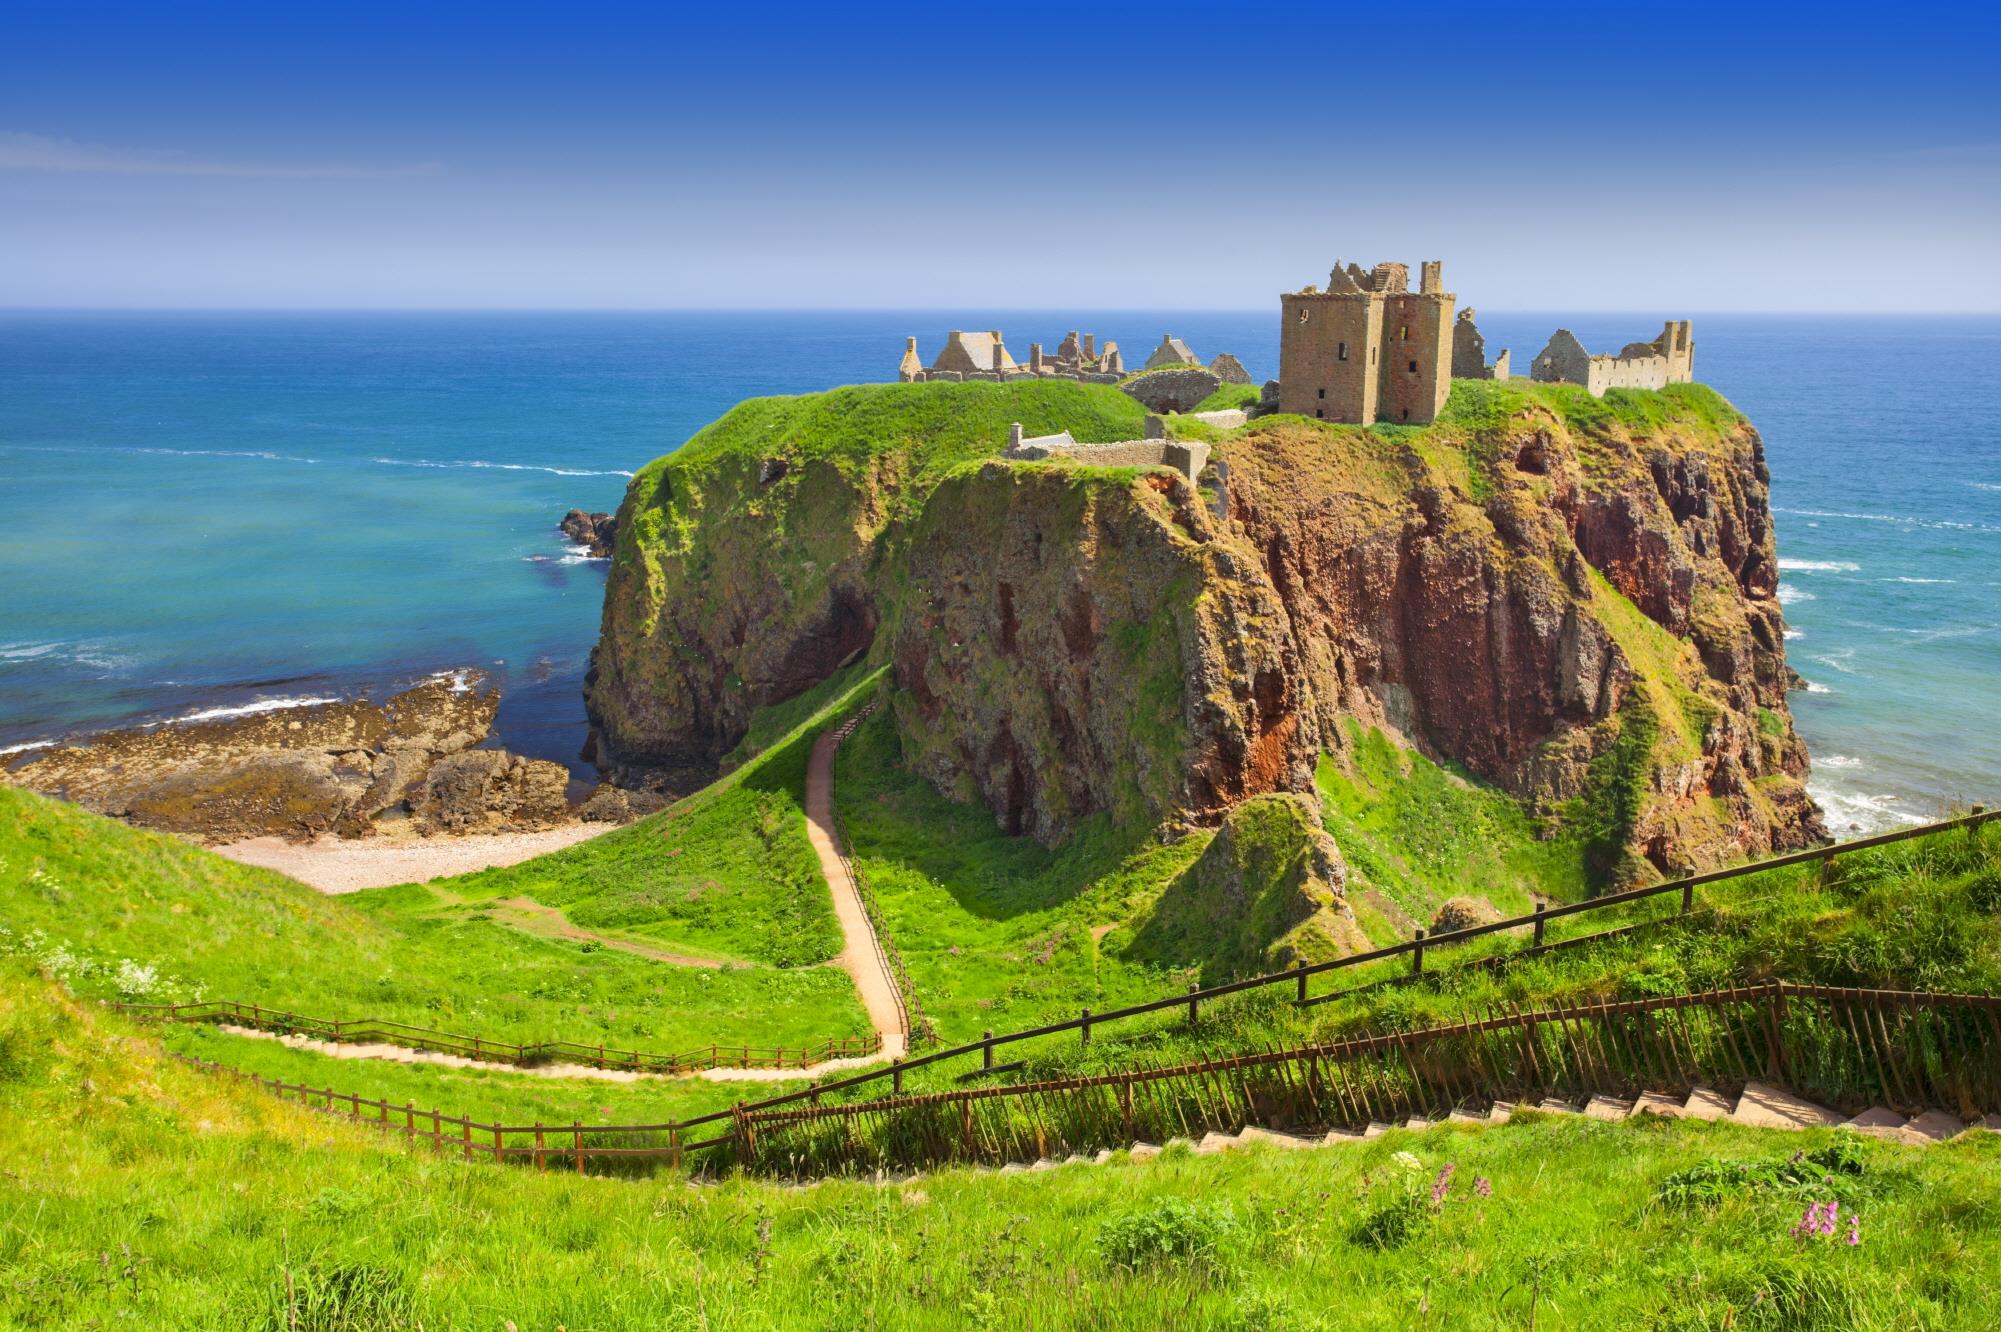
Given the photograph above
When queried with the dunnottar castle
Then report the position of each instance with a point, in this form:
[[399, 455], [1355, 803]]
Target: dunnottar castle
[[1364, 349]]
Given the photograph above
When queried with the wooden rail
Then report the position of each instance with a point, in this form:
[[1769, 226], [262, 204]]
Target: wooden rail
[[1845, 1047], [916, 1027], [385, 1031]]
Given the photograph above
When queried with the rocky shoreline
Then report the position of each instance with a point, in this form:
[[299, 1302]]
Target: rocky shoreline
[[413, 764]]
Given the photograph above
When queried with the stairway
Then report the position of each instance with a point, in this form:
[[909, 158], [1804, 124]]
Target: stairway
[[1759, 1106]]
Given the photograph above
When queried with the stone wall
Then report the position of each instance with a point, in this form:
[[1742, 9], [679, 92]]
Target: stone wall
[[1173, 390], [1185, 457]]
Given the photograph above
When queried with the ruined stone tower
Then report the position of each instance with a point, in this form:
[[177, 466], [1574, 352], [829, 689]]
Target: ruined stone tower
[[1368, 348]]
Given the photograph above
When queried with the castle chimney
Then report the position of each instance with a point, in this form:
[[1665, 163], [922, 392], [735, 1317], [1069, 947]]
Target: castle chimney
[[1035, 357], [1089, 340], [1431, 281], [1014, 436]]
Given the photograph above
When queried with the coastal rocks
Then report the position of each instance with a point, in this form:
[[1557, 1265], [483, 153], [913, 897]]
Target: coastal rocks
[[595, 532], [613, 804], [488, 790], [1069, 643], [302, 771], [1173, 390]]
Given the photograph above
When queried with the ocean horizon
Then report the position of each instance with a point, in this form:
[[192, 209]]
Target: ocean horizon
[[204, 513]]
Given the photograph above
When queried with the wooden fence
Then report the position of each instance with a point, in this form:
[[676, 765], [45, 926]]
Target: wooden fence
[[916, 1027], [1419, 950], [1847, 1048], [373, 1030]]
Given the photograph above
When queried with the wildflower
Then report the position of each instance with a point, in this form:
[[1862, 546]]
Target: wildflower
[[1482, 1186], [1408, 1161], [1854, 1229], [1442, 1185]]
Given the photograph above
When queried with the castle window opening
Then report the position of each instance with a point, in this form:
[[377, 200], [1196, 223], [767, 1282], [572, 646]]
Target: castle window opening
[[1319, 413], [1413, 367], [1323, 393], [1341, 352], [1405, 334], [1302, 315]]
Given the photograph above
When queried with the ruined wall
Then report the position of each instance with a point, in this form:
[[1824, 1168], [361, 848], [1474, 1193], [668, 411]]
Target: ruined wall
[[1416, 357], [1328, 356], [1186, 458]]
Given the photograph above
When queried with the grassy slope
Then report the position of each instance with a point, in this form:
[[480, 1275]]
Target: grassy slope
[[143, 1194], [97, 894], [726, 872], [996, 930], [1418, 834], [1922, 915]]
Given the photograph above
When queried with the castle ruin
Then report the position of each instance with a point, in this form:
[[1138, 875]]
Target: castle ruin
[[1367, 348], [1469, 351], [985, 356], [1668, 359]]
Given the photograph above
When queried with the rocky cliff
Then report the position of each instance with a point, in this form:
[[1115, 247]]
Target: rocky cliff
[[1571, 598]]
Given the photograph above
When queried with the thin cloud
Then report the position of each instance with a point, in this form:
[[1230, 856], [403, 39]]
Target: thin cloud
[[38, 152]]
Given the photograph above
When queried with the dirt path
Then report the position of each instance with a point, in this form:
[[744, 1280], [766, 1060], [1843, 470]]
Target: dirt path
[[533, 917], [860, 957], [397, 1054]]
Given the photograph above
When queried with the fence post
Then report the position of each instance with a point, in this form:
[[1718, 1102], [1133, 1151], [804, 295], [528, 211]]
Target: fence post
[[673, 1146], [577, 1139], [1126, 1105], [539, 1163], [465, 1138], [896, 1075], [1775, 1013], [1417, 955], [1087, 1027], [1540, 923], [1301, 999], [1827, 869], [987, 1049], [1194, 988], [1688, 897]]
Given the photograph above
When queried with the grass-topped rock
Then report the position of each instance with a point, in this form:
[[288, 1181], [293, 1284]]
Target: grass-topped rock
[[1568, 601]]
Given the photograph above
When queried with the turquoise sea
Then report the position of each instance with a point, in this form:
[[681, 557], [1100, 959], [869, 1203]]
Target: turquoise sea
[[209, 512]]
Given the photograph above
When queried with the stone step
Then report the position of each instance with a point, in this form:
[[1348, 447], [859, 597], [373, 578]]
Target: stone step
[[1501, 1112], [1762, 1106], [1936, 1126], [1216, 1142], [1707, 1103], [1607, 1108], [1881, 1122], [1044, 1164], [1418, 1123], [1991, 1124], [1144, 1151], [1273, 1138], [1659, 1103], [1552, 1106]]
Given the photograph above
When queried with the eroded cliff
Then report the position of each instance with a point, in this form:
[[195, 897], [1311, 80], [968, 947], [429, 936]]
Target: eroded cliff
[[1571, 598]]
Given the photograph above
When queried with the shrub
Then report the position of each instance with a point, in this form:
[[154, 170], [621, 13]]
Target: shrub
[[1394, 1224], [1170, 1229], [1711, 1181]]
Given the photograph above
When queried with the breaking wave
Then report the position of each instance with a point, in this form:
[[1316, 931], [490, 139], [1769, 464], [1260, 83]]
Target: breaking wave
[[1819, 566]]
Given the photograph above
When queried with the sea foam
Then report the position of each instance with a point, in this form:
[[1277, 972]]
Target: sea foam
[[248, 709], [1819, 566]]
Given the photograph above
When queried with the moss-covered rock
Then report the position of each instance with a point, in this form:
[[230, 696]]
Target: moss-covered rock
[[1269, 891]]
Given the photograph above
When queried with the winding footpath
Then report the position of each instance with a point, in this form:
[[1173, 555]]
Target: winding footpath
[[860, 956]]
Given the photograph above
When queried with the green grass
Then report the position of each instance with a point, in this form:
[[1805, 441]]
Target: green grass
[[89, 897], [1230, 396], [996, 930], [478, 1093], [727, 872], [1419, 833], [143, 1194]]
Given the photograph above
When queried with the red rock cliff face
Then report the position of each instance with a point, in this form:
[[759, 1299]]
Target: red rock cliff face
[[1069, 643], [1515, 600]]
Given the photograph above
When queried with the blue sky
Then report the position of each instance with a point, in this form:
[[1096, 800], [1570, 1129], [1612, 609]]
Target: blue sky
[[973, 156]]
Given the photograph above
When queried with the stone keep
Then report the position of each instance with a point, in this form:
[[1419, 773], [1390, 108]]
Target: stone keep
[[1368, 348]]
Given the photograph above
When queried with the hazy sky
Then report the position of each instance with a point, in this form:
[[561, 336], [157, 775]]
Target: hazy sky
[[1609, 156]]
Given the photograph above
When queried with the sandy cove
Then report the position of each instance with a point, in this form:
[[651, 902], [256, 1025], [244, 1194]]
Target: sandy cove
[[347, 865]]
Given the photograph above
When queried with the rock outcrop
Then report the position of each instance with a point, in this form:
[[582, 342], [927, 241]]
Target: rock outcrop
[[595, 532], [1173, 390], [1573, 599], [1268, 892], [300, 772]]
